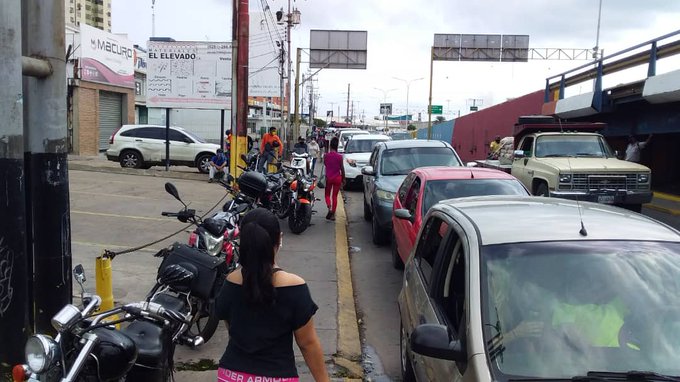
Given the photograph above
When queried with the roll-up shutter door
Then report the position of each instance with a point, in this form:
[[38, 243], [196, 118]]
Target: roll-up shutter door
[[110, 116]]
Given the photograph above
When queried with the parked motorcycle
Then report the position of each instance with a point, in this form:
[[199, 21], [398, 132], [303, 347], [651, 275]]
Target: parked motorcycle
[[302, 207], [89, 348]]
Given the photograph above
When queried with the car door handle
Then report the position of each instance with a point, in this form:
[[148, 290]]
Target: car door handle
[[138, 140]]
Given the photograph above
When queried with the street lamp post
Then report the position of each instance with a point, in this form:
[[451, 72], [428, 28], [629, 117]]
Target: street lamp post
[[408, 86]]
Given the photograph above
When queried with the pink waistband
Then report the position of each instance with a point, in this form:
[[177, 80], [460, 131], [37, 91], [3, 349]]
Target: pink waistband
[[225, 375]]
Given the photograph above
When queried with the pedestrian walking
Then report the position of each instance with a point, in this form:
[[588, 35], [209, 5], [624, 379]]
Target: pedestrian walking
[[314, 151], [634, 147], [335, 177], [218, 163], [266, 307]]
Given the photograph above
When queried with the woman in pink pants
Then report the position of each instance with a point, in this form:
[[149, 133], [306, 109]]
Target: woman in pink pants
[[335, 177]]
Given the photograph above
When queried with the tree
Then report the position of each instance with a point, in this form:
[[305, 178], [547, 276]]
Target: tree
[[319, 122], [411, 127]]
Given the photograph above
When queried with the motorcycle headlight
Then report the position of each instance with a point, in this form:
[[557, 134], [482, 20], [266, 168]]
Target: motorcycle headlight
[[41, 353], [385, 195], [213, 244], [565, 178], [643, 178]]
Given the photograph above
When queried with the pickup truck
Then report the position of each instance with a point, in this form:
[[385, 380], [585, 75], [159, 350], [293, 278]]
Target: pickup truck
[[573, 161]]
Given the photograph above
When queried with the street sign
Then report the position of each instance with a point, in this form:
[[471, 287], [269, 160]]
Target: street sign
[[474, 108], [480, 47], [437, 109], [386, 108]]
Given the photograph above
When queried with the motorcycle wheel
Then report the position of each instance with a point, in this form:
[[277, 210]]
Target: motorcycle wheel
[[298, 221], [204, 323], [284, 206]]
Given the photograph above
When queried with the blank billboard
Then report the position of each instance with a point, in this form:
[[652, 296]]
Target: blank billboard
[[337, 49], [480, 47]]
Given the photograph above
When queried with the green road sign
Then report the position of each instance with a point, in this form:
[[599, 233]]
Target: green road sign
[[437, 109]]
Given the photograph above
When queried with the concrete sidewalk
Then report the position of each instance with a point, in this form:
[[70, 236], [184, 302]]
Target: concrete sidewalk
[[319, 255]]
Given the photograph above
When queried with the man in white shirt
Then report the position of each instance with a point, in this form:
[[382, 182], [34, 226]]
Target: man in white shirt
[[634, 147], [314, 151]]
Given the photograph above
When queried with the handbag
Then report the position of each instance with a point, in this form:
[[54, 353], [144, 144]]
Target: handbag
[[322, 178]]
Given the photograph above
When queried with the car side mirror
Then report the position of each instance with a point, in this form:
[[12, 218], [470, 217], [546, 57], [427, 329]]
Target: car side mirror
[[519, 154], [404, 214], [432, 340], [368, 170], [471, 164]]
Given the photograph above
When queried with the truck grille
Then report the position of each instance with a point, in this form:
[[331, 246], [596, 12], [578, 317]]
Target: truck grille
[[605, 181]]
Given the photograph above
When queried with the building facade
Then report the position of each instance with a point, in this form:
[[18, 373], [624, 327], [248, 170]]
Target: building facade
[[96, 13]]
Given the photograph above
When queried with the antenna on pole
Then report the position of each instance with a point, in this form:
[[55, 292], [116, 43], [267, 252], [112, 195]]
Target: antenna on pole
[[153, 18]]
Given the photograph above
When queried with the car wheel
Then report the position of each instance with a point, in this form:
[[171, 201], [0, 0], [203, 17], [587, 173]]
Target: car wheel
[[396, 259], [203, 163], [407, 374], [542, 190], [131, 159], [377, 232], [367, 211]]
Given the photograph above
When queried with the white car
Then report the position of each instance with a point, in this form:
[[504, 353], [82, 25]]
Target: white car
[[143, 146], [357, 153], [345, 134]]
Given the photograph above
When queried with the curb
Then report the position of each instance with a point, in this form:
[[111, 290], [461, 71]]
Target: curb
[[665, 196], [655, 207], [349, 343], [139, 172]]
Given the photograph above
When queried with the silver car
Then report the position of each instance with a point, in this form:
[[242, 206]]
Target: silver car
[[529, 288]]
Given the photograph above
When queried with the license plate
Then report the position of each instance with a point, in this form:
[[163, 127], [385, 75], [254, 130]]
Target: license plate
[[606, 199]]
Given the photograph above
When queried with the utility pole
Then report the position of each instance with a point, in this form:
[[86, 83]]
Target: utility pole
[[289, 23], [47, 195], [332, 110], [297, 91], [282, 63], [14, 294], [153, 18], [243, 37], [348, 86]]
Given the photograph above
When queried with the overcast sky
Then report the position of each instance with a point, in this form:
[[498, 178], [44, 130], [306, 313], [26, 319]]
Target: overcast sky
[[400, 34]]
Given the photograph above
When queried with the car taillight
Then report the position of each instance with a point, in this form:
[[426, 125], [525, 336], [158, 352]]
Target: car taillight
[[113, 135], [193, 238]]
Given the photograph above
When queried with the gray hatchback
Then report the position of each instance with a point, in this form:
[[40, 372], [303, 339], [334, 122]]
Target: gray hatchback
[[506, 288], [389, 164]]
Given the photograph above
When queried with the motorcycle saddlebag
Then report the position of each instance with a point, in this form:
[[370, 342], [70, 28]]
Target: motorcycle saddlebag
[[252, 184], [211, 270]]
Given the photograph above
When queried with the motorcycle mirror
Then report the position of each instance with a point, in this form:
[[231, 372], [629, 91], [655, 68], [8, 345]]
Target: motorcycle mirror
[[79, 273], [172, 190]]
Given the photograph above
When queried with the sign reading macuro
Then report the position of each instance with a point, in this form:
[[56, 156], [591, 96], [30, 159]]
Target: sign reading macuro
[[189, 74]]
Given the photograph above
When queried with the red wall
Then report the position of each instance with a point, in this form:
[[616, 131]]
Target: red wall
[[473, 133]]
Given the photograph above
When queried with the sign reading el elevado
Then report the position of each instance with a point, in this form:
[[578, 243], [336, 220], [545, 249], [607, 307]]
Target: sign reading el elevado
[[189, 74]]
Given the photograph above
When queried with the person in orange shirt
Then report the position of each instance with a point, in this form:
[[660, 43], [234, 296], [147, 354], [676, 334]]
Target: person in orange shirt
[[269, 146]]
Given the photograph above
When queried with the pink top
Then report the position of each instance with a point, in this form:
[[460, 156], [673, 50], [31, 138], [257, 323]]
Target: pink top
[[333, 162]]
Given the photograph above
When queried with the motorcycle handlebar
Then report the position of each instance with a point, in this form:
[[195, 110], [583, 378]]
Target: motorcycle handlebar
[[154, 310]]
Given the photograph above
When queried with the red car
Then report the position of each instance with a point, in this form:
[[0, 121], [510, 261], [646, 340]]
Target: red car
[[426, 186]]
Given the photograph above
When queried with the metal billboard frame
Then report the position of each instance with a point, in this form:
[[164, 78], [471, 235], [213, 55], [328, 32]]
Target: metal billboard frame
[[338, 49]]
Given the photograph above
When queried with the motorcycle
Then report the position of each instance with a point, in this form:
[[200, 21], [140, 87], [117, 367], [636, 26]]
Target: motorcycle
[[89, 348], [302, 206]]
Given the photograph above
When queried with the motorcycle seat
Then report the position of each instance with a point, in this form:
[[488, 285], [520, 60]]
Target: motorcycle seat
[[148, 337]]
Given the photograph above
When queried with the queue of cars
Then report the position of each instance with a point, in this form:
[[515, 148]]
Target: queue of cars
[[514, 287]]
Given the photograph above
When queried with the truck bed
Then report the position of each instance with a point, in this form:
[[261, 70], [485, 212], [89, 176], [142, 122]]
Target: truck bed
[[495, 164]]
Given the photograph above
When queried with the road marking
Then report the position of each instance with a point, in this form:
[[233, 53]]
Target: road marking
[[672, 211], [665, 196], [108, 246], [112, 195], [118, 216], [349, 342]]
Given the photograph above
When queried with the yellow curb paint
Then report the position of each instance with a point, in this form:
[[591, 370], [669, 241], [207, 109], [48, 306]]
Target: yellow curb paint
[[118, 216], [349, 343], [655, 207], [663, 195]]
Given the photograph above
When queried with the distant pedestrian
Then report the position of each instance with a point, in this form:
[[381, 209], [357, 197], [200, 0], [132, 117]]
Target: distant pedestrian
[[314, 151], [217, 165], [269, 146], [265, 308], [300, 147], [634, 148], [494, 147], [335, 177]]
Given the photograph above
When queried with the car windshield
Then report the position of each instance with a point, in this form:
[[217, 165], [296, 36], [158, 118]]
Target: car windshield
[[195, 137], [402, 161], [361, 146], [438, 190], [556, 146], [563, 309]]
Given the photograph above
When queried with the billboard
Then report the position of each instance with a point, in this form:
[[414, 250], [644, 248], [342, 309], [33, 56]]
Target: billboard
[[106, 58], [263, 58], [481, 47], [338, 49], [189, 74]]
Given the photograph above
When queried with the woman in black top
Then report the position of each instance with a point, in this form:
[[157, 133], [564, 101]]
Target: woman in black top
[[265, 308]]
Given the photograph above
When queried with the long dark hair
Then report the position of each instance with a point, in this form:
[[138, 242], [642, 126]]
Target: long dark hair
[[260, 233]]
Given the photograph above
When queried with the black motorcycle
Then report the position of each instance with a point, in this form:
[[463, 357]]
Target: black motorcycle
[[302, 205], [88, 347]]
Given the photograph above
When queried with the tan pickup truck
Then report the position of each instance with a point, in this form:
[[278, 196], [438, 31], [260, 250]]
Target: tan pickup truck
[[573, 161]]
